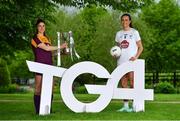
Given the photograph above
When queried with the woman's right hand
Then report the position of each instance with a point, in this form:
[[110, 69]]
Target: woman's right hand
[[115, 57]]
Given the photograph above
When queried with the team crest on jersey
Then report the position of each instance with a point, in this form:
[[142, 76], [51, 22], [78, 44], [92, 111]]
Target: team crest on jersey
[[124, 44]]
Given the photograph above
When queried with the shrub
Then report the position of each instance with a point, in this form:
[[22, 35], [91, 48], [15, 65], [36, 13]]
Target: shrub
[[4, 89], [4, 74], [164, 87], [148, 86], [12, 88]]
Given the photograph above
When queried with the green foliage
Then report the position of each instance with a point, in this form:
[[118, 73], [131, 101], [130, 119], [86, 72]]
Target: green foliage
[[17, 20], [163, 20], [123, 5], [4, 89], [94, 30], [4, 74], [91, 18], [164, 87], [147, 37], [18, 66], [80, 90], [12, 88], [56, 89], [148, 86]]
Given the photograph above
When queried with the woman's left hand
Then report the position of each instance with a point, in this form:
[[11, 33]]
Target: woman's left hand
[[132, 58], [64, 45]]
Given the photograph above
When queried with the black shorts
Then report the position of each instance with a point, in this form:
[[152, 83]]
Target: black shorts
[[38, 74]]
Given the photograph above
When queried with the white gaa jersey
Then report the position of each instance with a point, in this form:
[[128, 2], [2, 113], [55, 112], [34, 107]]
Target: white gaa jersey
[[127, 42]]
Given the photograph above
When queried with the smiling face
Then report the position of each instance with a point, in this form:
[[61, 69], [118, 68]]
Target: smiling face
[[41, 28], [125, 21]]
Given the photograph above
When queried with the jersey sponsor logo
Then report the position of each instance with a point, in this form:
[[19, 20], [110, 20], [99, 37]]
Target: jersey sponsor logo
[[124, 44]]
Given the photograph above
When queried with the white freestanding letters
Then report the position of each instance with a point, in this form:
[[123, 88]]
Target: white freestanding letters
[[107, 92], [66, 87], [46, 91]]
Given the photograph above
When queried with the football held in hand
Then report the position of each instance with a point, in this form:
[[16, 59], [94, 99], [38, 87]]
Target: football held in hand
[[115, 51]]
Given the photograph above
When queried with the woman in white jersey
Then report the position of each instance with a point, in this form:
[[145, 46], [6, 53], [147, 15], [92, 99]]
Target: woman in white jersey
[[128, 39]]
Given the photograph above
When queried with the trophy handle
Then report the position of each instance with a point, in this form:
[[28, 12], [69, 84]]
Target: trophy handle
[[58, 51]]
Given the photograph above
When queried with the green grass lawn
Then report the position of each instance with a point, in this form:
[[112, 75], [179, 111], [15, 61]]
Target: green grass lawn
[[20, 107]]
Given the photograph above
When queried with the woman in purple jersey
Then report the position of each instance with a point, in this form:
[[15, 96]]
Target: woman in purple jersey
[[42, 49], [128, 39]]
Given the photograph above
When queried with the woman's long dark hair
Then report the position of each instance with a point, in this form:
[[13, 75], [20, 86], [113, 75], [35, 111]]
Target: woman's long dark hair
[[37, 22], [126, 14]]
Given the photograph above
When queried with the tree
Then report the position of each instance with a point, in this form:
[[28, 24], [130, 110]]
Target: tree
[[4, 74], [123, 5], [18, 66], [163, 18], [94, 30], [17, 21]]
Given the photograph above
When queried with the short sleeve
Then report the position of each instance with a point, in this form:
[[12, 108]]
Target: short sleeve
[[117, 36], [137, 36], [35, 42]]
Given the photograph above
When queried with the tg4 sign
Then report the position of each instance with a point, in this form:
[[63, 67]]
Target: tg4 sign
[[107, 92]]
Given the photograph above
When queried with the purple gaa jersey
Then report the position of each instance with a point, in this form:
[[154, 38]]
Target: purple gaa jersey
[[41, 56]]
